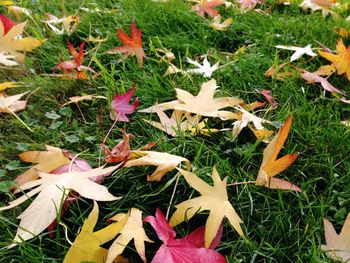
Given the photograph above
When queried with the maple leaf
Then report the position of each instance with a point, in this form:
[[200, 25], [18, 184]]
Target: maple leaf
[[204, 104], [299, 51], [52, 189], [76, 99], [271, 167], [133, 229], [120, 152], [315, 5], [341, 60], [121, 107], [267, 95], [312, 78], [204, 69], [213, 198], [74, 68], [249, 4], [46, 161], [8, 85], [132, 45], [189, 249], [11, 44], [337, 246], [69, 23], [207, 7], [11, 104], [165, 162], [217, 25], [243, 121], [86, 246]]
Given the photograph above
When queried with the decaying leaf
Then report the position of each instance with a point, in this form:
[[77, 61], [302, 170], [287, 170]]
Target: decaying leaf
[[120, 106], [11, 44], [74, 69], [337, 245], [11, 104], [298, 51], [52, 190], [120, 152], [272, 166], [275, 72], [87, 245], [189, 249], [46, 161], [221, 26], [165, 162], [207, 7], [69, 24], [133, 229], [76, 99], [132, 45], [340, 61], [213, 198]]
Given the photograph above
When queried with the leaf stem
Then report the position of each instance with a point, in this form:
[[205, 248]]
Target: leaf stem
[[241, 183], [172, 196]]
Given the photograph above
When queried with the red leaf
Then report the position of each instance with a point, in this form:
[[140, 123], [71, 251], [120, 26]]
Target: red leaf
[[132, 45], [121, 107], [189, 249], [267, 94], [7, 23], [120, 152]]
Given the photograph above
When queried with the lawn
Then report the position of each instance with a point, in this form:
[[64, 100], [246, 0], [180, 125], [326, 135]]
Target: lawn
[[278, 225]]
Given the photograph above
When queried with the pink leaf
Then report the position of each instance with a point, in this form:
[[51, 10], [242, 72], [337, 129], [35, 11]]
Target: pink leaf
[[189, 249], [314, 78], [121, 107], [267, 94]]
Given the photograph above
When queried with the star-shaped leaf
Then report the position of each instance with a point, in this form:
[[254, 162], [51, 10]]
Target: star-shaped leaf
[[207, 7], [299, 51], [68, 24], [132, 45], [10, 104], [213, 198], [206, 69]]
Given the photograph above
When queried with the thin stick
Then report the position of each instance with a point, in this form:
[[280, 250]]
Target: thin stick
[[66, 232], [82, 114], [241, 183], [72, 161], [172, 196], [18, 118]]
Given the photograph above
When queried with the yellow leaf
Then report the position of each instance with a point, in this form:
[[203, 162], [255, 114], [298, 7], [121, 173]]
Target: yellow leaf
[[271, 167], [7, 85], [165, 162], [86, 246], [213, 198], [133, 229], [337, 246]]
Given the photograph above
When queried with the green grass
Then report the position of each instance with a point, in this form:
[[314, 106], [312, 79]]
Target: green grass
[[279, 226]]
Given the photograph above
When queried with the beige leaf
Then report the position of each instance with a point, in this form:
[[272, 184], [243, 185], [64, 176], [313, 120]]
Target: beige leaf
[[165, 162], [76, 99], [10, 104]]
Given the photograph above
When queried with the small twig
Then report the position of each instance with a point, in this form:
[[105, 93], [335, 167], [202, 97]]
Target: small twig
[[18, 118], [172, 196], [82, 115], [242, 183]]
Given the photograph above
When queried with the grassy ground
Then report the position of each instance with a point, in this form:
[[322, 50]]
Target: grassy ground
[[280, 226]]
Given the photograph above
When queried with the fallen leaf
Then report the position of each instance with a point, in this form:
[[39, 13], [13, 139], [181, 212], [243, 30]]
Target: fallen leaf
[[120, 152], [341, 60], [69, 24], [207, 7], [76, 99], [312, 78], [272, 166], [74, 69], [46, 161], [189, 249], [11, 45], [52, 190], [299, 51], [221, 26], [87, 245], [132, 229], [165, 162], [316, 5], [11, 104], [213, 198], [8, 85], [120, 106], [19, 11], [249, 4], [267, 94], [206, 69], [337, 246], [346, 123], [274, 72], [132, 45]]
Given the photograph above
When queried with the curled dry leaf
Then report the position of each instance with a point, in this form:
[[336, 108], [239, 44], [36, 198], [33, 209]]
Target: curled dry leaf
[[132, 45], [221, 26], [249, 4], [274, 72], [189, 249], [337, 245], [52, 190], [120, 152], [77, 99], [207, 7], [69, 24], [213, 198], [272, 166], [267, 95], [10, 104], [12, 45], [165, 162], [132, 229], [87, 245]]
